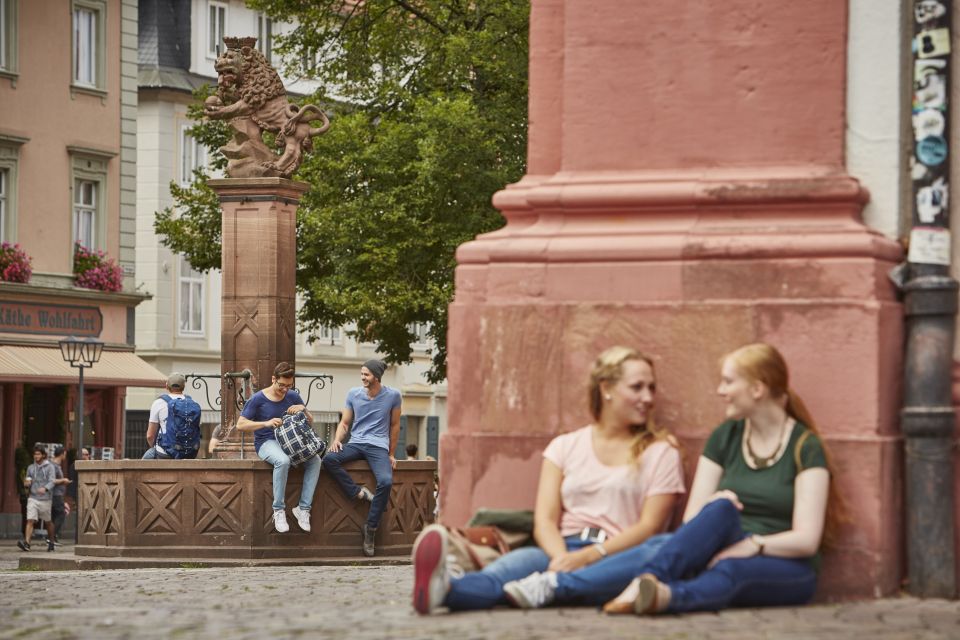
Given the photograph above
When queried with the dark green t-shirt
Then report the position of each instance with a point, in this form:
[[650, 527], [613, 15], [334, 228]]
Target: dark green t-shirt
[[766, 494]]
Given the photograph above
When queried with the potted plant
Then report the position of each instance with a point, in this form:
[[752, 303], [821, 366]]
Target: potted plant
[[93, 270], [14, 263]]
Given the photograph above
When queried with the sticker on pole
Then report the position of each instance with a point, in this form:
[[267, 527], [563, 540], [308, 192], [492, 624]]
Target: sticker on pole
[[929, 245]]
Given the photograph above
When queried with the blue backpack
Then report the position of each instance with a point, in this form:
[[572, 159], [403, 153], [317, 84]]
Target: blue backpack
[[182, 436]]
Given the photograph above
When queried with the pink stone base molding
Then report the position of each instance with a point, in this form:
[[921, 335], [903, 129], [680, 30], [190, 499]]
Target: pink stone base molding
[[686, 267]]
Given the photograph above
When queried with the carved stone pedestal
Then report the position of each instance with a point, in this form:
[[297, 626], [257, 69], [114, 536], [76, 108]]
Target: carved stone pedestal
[[259, 276], [223, 509]]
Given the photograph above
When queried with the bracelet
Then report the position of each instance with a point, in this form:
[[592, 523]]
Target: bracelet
[[755, 539], [600, 550]]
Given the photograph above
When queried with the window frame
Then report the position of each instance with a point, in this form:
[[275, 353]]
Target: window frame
[[330, 336], [193, 279], [212, 47], [98, 46], [9, 32], [10, 164], [80, 207], [92, 166], [198, 155], [266, 48]]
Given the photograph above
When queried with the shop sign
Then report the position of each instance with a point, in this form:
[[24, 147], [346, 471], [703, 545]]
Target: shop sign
[[49, 319]]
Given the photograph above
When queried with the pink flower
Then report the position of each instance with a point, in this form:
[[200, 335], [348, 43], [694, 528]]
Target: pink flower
[[93, 270], [14, 263]]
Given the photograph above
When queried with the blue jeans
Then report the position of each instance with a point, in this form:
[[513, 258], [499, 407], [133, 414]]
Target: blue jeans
[[153, 454], [271, 452], [740, 582], [603, 581], [484, 589], [379, 460]]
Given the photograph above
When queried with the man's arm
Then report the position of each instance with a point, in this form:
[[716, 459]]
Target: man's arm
[[394, 433], [152, 429], [243, 424], [342, 429]]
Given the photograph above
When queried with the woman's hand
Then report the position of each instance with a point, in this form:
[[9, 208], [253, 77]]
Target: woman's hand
[[573, 560], [746, 548], [726, 494]]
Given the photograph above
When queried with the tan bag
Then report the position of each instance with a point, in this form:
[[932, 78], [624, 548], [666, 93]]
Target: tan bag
[[473, 548]]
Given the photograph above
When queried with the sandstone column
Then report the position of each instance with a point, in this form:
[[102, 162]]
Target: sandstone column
[[686, 194], [259, 279]]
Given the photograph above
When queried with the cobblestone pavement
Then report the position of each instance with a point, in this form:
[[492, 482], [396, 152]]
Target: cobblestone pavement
[[374, 602]]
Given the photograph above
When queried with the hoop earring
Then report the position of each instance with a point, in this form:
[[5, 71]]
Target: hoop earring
[[608, 397]]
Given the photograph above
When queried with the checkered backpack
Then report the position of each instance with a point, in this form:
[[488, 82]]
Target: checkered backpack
[[298, 439]]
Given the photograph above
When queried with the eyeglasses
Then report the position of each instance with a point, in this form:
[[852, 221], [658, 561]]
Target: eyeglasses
[[283, 387]]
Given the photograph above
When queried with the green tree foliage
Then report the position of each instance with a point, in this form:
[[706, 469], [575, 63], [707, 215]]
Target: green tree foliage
[[428, 102]]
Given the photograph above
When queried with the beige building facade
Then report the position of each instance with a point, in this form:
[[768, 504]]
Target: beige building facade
[[68, 104]]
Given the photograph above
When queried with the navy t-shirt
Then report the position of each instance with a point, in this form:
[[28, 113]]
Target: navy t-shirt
[[260, 408]]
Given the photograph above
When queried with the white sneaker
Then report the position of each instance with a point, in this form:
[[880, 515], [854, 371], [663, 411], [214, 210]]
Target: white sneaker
[[280, 521], [303, 517], [365, 494], [535, 591], [431, 582]]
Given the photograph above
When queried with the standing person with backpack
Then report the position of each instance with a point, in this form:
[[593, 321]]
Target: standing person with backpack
[[173, 431]]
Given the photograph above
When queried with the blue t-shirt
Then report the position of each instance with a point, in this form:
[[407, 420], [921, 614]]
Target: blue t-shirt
[[371, 416], [260, 408]]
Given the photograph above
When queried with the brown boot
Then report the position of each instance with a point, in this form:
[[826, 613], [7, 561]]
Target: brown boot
[[368, 535]]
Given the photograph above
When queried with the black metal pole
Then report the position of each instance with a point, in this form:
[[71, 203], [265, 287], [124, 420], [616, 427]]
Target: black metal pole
[[79, 457], [927, 418]]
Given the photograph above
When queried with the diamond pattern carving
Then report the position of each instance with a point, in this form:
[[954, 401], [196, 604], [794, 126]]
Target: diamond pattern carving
[[217, 508], [158, 507], [407, 512]]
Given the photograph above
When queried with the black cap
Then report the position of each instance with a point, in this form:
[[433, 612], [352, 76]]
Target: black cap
[[376, 367]]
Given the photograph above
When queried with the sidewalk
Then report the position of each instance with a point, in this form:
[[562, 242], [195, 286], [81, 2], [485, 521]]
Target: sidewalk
[[374, 602]]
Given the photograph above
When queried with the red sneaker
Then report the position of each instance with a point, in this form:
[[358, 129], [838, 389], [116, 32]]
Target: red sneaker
[[430, 579]]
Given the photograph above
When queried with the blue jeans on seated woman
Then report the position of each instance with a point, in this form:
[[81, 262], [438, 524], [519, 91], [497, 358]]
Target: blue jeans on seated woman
[[591, 585], [756, 581]]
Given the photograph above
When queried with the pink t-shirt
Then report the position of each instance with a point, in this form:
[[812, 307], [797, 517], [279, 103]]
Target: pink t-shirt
[[597, 495]]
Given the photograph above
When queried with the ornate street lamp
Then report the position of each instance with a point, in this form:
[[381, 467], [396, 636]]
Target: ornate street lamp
[[80, 354]]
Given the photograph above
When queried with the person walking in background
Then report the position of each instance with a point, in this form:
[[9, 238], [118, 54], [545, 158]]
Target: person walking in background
[[606, 490], [262, 414], [372, 419], [40, 480], [59, 505], [758, 506]]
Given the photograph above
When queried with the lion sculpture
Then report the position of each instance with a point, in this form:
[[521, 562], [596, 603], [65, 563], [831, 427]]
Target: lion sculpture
[[251, 96]]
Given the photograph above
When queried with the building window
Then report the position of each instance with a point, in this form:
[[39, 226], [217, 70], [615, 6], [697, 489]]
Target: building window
[[3, 203], [9, 157], [191, 300], [86, 198], [421, 333], [89, 185], [265, 36], [8, 35], [89, 44], [193, 155], [216, 27], [329, 335]]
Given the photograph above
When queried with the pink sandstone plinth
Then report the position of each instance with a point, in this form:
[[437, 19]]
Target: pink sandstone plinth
[[686, 194]]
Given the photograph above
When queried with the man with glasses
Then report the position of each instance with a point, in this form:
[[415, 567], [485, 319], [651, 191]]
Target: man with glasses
[[262, 414]]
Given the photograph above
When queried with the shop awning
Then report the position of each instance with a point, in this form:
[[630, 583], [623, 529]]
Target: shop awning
[[45, 365]]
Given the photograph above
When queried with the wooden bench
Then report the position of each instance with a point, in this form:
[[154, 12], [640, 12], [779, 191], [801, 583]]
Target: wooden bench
[[223, 509]]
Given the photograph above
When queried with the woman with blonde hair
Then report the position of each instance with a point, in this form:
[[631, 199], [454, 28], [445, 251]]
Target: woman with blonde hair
[[604, 488], [757, 508]]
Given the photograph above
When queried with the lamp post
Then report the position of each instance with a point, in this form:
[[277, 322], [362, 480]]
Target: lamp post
[[80, 354]]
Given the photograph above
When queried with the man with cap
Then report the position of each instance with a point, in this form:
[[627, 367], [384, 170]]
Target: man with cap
[[372, 420], [157, 424]]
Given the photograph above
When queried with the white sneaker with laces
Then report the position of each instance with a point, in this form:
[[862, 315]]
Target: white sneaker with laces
[[365, 494], [535, 591], [303, 517], [280, 521]]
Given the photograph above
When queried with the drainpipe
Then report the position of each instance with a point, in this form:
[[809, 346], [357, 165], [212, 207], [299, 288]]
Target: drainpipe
[[930, 300]]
